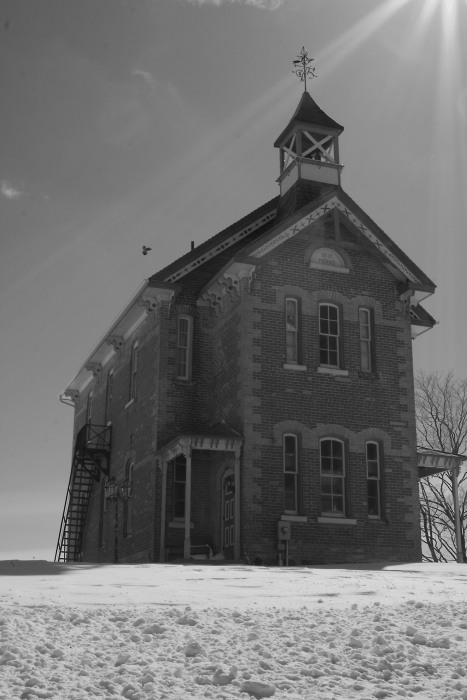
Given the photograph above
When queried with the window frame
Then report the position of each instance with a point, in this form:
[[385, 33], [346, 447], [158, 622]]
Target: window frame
[[128, 502], [370, 340], [333, 476], [108, 396], [186, 349], [372, 479], [133, 386], [89, 401], [288, 472], [338, 349], [295, 331]]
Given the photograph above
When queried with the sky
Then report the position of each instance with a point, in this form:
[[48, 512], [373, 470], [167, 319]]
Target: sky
[[151, 122]]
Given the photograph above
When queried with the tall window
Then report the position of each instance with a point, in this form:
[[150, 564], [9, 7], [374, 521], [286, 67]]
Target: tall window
[[184, 332], [291, 330], [329, 335], [89, 408], [128, 503], [332, 461], [134, 370], [290, 464], [179, 487], [373, 476], [364, 317], [108, 395]]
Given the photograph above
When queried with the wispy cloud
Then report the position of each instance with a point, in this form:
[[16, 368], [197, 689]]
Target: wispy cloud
[[145, 75], [9, 191], [262, 4]]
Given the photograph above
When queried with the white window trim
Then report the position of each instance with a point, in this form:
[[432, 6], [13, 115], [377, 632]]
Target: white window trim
[[328, 520], [323, 369]]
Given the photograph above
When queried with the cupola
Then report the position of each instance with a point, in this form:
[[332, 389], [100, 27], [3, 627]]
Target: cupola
[[309, 147]]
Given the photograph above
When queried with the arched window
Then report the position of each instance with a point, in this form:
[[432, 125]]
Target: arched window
[[332, 467], [365, 322]]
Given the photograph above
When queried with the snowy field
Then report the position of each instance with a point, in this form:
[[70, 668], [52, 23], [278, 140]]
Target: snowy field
[[149, 631]]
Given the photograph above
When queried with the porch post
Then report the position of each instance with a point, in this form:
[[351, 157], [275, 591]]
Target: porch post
[[187, 541], [163, 509], [457, 523], [238, 449]]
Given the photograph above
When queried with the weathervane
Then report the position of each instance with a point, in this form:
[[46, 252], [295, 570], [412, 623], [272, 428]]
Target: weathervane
[[302, 66]]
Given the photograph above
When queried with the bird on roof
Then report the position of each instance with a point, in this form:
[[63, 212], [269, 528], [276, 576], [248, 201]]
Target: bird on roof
[[146, 249]]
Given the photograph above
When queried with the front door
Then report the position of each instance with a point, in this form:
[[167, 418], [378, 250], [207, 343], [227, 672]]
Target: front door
[[228, 516]]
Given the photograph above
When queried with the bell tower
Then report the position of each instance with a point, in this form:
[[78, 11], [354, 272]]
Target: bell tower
[[309, 145]]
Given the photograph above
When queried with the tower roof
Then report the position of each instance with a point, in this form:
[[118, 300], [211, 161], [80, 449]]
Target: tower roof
[[308, 112]]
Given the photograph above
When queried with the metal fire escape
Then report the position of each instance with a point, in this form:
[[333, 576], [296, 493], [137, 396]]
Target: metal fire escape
[[90, 461]]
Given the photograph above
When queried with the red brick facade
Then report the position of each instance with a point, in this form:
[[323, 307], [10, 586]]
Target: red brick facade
[[234, 290]]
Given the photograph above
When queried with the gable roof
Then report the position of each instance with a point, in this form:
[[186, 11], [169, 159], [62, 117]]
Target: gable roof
[[308, 112], [361, 222]]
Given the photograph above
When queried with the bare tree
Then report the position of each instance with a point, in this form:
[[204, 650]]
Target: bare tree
[[441, 406]]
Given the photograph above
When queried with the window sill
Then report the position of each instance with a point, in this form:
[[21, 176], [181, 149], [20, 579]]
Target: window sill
[[329, 520], [128, 404], [180, 525], [296, 367], [333, 370], [329, 268], [294, 518]]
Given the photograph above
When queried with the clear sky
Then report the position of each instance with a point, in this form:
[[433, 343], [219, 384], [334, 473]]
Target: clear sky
[[131, 122]]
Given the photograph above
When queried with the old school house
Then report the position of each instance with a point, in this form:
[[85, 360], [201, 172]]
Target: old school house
[[255, 399]]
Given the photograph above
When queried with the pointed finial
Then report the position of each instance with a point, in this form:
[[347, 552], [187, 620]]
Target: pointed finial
[[302, 66]]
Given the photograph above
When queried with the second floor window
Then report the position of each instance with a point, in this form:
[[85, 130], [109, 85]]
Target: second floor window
[[366, 340], [290, 463], [183, 360], [332, 462], [108, 395], [89, 408], [134, 371], [291, 330], [329, 335]]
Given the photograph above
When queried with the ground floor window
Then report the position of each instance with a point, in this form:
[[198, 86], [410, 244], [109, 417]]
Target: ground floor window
[[332, 465], [373, 475]]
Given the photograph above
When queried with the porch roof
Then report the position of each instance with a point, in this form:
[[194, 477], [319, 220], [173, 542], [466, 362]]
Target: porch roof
[[218, 438], [431, 462]]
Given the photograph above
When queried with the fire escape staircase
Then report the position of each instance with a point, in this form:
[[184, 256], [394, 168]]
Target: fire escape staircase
[[90, 461]]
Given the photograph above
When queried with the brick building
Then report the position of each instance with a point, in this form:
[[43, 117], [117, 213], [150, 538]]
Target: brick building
[[254, 400]]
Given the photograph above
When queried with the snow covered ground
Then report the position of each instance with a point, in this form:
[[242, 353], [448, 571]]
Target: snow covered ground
[[149, 631]]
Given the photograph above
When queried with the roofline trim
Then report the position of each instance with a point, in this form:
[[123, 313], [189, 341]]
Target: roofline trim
[[227, 243]]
